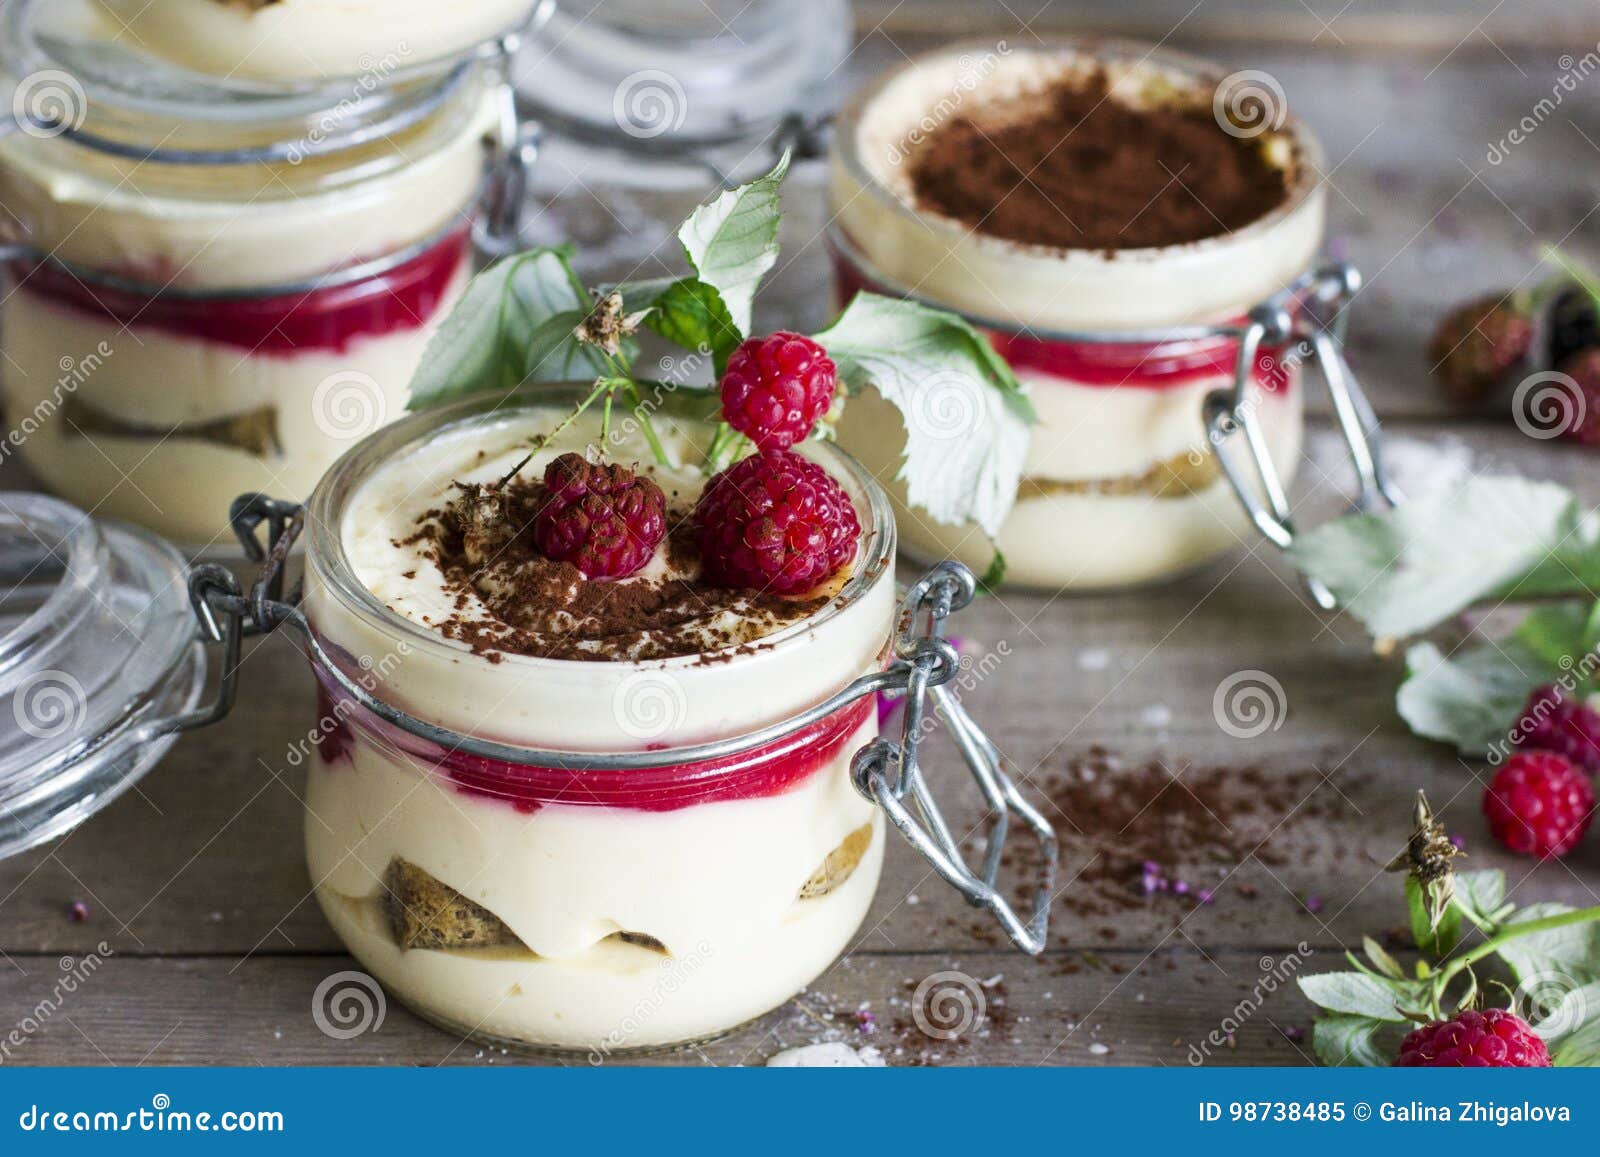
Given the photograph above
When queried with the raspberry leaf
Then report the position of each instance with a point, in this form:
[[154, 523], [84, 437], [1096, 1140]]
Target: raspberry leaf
[[514, 323], [1408, 569], [966, 416], [1344, 1040], [692, 314], [1475, 695], [1362, 994], [1567, 955], [1481, 898], [732, 241]]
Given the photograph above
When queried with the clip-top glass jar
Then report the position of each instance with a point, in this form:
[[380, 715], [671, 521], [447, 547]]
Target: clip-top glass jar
[[1121, 349], [218, 286]]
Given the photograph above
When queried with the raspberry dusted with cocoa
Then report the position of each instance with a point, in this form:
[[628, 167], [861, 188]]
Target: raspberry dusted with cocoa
[[1479, 345], [1552, 722], [776, 387], [1492, 1039], [604, 519], [1539, 804], [774, 522]]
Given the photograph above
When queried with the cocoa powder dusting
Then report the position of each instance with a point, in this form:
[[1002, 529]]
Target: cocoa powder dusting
[[511, 599], [1076, 168]]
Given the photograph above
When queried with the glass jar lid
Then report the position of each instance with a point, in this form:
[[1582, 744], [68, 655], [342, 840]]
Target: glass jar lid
[[98, 658], [73, 78]]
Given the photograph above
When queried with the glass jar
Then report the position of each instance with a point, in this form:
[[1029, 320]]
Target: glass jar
[[219, 284], [1120, 350], [602, 855]]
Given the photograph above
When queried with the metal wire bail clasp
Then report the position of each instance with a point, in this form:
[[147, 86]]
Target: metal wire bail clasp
[[890, 773], [1310, 318]]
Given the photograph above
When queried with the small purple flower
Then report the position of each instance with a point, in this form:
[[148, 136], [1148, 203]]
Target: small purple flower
[[1207, 895], [1293, 1033], [1312, 903], [79, 912]]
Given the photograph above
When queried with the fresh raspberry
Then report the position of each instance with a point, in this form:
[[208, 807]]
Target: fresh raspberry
[[774, 522], [1477, 346], [1552, 722], [1492, 1039], [603, 519], [776, 387], [1578, 411], [1539, 804]]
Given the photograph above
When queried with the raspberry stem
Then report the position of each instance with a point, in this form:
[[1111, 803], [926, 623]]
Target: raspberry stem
[[1505, 935]]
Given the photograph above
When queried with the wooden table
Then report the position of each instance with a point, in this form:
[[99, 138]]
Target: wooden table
[[196, 885]]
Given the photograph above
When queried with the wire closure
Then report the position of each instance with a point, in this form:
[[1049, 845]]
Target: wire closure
[[890, 773], [887, 773], [1309, 316]]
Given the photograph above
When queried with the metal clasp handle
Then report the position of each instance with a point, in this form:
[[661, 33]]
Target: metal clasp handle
[[1316, 330], [228, 615], [497, 231], [890, 773]]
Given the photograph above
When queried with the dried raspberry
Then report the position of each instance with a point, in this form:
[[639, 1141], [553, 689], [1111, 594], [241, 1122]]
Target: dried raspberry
[[1539, 804], [1552, 722], [1576, 410], [774, 522], [776, 387], [1492, 1039], [605, 520], [1477, 346]]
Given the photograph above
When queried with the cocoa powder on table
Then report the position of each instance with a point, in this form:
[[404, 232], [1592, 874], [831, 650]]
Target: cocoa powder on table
[[1075, 167]]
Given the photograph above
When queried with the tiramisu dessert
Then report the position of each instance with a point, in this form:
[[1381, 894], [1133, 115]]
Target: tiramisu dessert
[[491, 571], [187, 330], [304, 40], [1085, 191]]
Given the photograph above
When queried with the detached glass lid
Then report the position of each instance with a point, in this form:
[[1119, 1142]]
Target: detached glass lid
[[99, 663]]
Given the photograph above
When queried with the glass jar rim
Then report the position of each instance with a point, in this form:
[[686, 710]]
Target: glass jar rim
[[1197, 70], [326, 552]]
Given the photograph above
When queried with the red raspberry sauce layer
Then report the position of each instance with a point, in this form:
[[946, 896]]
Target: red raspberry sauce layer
[[1138, 365], [770, 770], [281, 325]]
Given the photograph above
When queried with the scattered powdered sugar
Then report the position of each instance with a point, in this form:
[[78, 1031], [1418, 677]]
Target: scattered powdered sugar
[[1099, 1049], [1095, 659], [827, 1055], [1157, 715], [1414, 466]]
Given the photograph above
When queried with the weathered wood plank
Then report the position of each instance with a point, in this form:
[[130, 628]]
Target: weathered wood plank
[[1124, 1007]]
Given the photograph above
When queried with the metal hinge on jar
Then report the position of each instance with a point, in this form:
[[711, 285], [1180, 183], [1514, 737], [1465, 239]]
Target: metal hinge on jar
[[1309, 318], [887, 772]]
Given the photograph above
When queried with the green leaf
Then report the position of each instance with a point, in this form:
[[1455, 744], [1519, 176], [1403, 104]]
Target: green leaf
[[995, 574], [1471, 698], [1569, 955], [505, 330], [1358, 994], [1480, 896], [692, 314], [1409, 569], [1345, 1040], [965, 415], [733, 241], [1381, 959], [1436, 942]]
